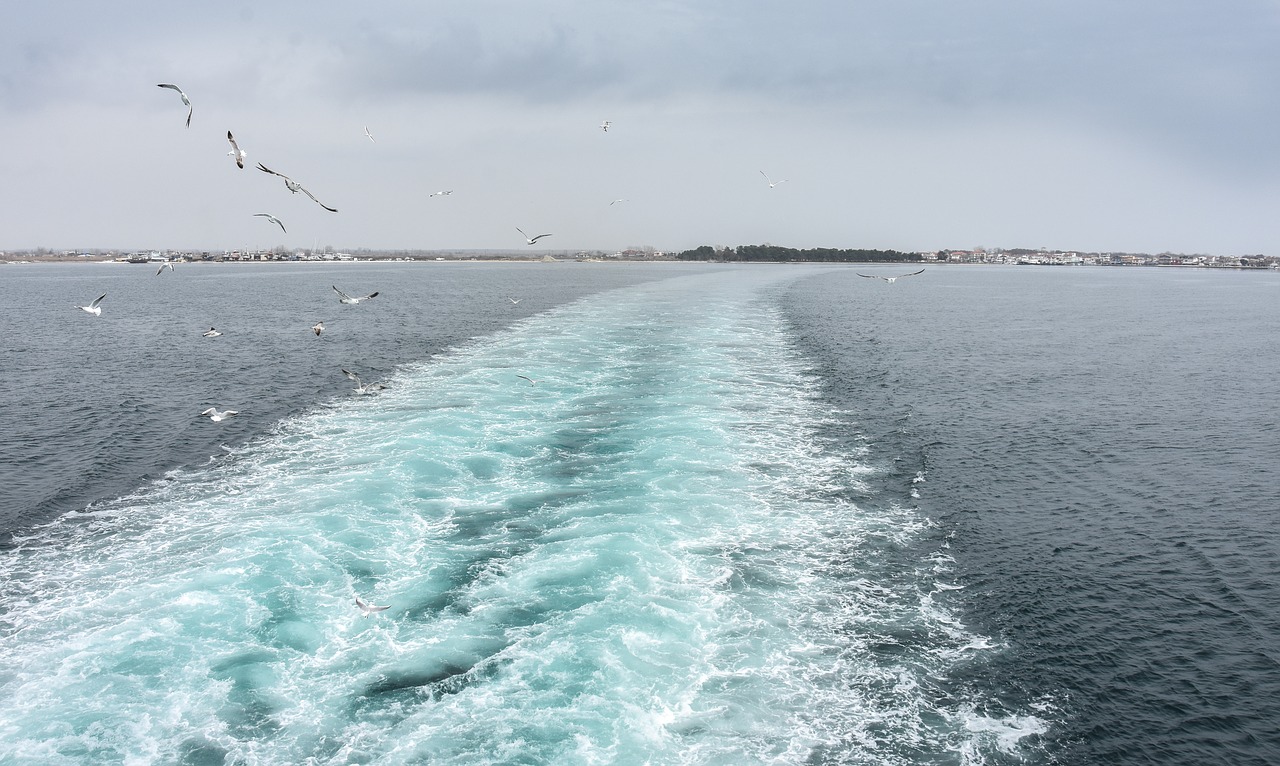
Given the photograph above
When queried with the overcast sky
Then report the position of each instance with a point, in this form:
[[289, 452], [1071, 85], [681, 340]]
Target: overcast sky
[[1098, 125]]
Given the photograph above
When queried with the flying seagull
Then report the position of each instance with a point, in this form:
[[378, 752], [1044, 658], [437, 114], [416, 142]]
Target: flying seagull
[[362, 387], [526, 377], [515, 301], [94, 308], [236, 151], [771, 183], [531, 240], [616, 201], [368, 134], [212, 333], [186, 101], [605, 126], [274, 220], [217, 417], [444, 193], [344, 298], [890, 280], [166, 265], [295, 187], [317, 328], [369, 609]]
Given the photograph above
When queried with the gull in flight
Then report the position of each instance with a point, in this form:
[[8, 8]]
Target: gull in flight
[[212, 333], [362, 387], [274, 220], [295, 187], [890, 280], [166, 265], [526, 377], [186, 101], [368, 134], [515, 301], [344, 298], [531, 240], [605, 126], [444, 193], [94, 308], [369, 609], [218, 417], [771, 183], [236, 151], [317, 328], [616, 201]]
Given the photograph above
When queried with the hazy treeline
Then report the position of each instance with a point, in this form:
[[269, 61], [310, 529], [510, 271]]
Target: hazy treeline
[[774, 253]]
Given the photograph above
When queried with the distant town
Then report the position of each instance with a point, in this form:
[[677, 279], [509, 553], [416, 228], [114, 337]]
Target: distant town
[[744, 253]]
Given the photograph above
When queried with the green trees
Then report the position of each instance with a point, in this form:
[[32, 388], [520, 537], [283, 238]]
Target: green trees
[[777, 254]]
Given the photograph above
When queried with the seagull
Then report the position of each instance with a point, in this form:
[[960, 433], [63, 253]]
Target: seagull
[[368, 134], [605, 126], [890, 280], [362, 387], [369, 609], [217, 417], [616, 201], [444, 193], [515, 301], [526, 377], [274, 220], [344, 298], [295, 187], [212, 333], [94, 308], [166, 265], [236, 151], [531, 240], [186, 101], [771, 183], [317, 328]]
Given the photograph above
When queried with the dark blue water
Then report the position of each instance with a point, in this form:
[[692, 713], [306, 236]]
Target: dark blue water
[[983, 515], [1101, 447]]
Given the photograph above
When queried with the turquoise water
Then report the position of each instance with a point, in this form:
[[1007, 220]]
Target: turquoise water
[[651, 555]]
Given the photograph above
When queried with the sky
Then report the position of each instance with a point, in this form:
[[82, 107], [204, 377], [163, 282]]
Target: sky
[[1090, 125]]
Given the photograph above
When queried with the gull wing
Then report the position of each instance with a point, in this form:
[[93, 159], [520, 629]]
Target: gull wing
[[318, 202], [97, 300], [341, 294]]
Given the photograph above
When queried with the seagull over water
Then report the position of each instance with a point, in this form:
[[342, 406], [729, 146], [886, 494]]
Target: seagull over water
[[317, 328], [771, 183], [94, 308], [186, 101], [166, 265], [212, 333], [344, 298], [362, 387], [236, 151], [369, 609], [526, 377], [218, 417], [274, 220], [890, 280], [515, 301], [530, 240], [295, 187]]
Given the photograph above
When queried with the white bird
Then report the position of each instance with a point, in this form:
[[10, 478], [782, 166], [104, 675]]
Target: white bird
[[362, 387], [94, 308], [274, 220], [616, 201], [890, 280], [295, 187], [771, 183], [526, 377], [344, 298], [531, 240], [212, 333], [369, 609], [368, 134], [605, 126], [515, 301], [186, 101], [166, 265], [236, 151], [444, 193], [317, 328], [218, 417]]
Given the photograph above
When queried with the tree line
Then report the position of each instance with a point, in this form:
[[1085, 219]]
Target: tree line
[[775, 254]]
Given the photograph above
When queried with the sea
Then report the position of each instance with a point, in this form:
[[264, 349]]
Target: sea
[[640, 513]]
